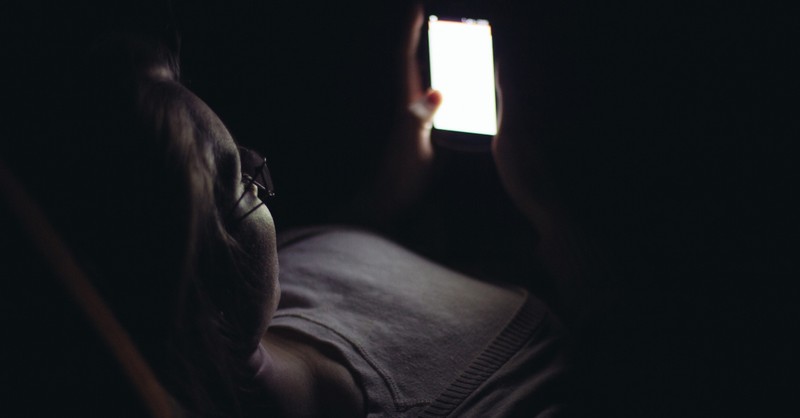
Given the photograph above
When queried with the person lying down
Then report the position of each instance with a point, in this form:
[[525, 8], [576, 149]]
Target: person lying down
[[237, 320]]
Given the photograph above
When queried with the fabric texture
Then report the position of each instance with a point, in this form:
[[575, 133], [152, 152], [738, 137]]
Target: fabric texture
[[421, 339]]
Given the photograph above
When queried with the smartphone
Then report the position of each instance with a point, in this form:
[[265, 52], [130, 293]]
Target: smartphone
[[461, 66]]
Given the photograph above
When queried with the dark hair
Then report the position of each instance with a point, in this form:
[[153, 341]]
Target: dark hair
[[143, 215]]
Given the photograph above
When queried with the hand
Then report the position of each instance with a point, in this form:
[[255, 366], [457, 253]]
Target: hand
[[418, 107], [518, 154], [408, 157], [521, 162]]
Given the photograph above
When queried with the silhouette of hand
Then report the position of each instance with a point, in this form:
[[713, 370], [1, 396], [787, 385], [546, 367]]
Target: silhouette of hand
[[408, 157]]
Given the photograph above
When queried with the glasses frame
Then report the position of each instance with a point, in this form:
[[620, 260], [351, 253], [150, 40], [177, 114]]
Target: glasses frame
[[260, 177]]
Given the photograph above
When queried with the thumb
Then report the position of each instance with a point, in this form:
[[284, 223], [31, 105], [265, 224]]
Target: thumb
[[424, 108]]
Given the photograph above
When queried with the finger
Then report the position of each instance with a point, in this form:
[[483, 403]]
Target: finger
[[508, 103], [425, 107], [498, 86], [411, 79], [416, 17], [498, 83]]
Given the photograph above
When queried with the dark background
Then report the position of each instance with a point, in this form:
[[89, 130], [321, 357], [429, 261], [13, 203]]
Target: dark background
[[672, 127]]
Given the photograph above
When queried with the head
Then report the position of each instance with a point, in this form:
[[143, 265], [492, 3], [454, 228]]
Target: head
[[159, 214]]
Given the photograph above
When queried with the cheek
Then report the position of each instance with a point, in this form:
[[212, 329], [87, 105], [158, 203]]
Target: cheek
[[269, 274], [269, 245], [260, 243], [270, 257], [256, 236]]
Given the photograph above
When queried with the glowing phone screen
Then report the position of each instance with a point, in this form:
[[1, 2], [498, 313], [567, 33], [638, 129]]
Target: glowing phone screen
[[462, 68]]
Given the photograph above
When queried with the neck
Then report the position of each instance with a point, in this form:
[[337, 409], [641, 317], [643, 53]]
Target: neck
[[302, 380]]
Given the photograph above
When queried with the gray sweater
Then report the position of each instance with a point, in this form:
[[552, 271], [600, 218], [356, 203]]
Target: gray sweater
[[422, 340]]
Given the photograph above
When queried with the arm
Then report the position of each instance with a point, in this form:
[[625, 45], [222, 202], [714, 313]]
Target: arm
[[408, 156], [522, 166]]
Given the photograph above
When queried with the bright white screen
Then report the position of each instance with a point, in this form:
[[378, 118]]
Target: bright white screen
[[462, 68]]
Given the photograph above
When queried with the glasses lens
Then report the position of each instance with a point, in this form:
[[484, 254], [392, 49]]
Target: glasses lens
[[255, 167]]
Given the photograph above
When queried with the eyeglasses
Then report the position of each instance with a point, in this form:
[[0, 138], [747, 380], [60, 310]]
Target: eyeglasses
[[254, 172]]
